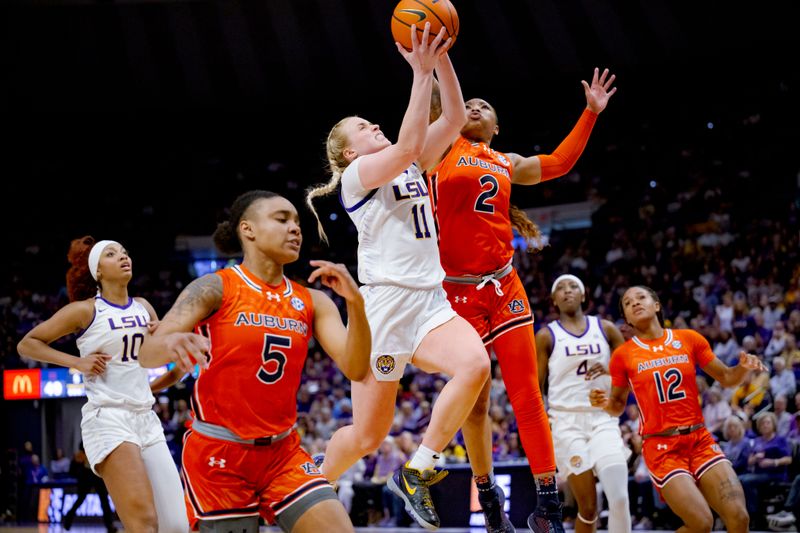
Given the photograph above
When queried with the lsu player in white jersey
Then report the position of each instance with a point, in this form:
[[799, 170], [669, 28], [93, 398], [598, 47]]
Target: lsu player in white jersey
[[122, 436], [573, 354], [385, 194]]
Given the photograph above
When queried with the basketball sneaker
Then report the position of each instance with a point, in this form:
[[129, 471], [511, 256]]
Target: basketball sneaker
[[492, 503], [544, 520], [413, 487]]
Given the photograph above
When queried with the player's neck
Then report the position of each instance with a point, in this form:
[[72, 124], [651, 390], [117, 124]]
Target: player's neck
[[652, 331], [574, 323], [116, 294], [267, 271]]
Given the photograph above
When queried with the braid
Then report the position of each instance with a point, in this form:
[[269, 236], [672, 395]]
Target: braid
[[525, 226], [334, 147]]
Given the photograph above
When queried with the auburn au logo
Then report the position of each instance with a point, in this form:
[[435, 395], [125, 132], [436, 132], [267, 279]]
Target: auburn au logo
[[516, 306]]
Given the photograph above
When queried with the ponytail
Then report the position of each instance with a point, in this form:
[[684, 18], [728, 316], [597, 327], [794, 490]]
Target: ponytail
[[525, 226]]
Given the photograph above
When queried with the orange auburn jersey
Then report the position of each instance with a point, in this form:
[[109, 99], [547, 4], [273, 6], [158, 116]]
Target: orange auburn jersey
[[259, 341], [471, 192], [661, 373]]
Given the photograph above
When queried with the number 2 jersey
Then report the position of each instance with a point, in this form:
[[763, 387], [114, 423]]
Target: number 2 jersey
[[259, 340], [396, 233], [661, 373], [471, 192]]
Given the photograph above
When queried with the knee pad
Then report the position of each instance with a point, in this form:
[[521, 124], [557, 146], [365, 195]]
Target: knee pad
[[247, 524]]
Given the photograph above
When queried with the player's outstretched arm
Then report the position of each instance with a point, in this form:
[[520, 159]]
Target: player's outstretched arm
[[172, 340], [348, 346], [535, 169], [446, 128], [383, 166], [731, 376]]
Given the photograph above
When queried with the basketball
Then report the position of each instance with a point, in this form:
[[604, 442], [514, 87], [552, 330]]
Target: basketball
[[438, 12]]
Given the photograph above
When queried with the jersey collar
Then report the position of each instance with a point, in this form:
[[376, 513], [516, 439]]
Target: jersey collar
[[255, 283], [642, 344]]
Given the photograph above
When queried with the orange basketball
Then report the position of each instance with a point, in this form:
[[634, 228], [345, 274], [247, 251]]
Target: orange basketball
[[438, 12]]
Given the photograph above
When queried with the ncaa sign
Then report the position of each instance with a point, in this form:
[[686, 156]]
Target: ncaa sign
[[22, 384]]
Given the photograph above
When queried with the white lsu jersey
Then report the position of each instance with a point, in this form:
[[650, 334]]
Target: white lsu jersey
[[572, 356], [119, 332], [397, 240]]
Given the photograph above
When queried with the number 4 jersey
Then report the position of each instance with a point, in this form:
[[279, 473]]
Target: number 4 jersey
[[259, 339], [661, 373], [117, 331]]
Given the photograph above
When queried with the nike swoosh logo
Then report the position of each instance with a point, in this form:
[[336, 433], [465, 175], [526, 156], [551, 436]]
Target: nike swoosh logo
[[417, 12], [408, 489]]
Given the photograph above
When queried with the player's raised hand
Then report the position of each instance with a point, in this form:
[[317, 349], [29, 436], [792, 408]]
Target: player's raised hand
[[336, 277], [751, 362], [423, 55], [598, 398], [600, 91]]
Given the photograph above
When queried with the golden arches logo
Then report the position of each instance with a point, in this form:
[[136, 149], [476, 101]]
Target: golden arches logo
[[22, 385]]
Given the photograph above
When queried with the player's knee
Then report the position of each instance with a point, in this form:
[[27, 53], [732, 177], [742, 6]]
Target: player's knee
[[701, 521], [736, 518], [477, 369], [143, 518], [369, 442], [588, 509]]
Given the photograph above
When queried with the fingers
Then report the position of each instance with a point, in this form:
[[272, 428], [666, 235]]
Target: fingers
[[152, 326], [426, 33], [414, 40], [586, 86], [602, 79], [607, 85], [594, 77], [438, 39]]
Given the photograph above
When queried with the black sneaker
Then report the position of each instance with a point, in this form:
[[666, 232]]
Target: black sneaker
[[492, 503], [546, 521], [413, 487]]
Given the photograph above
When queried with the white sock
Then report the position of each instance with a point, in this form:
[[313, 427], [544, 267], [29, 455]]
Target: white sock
[[424, 459]]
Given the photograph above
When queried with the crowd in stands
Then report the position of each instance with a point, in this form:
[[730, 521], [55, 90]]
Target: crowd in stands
[[721, 264]]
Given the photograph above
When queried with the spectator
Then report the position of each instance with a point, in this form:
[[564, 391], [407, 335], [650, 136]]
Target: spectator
[[784, 419], [777, 343], [750, 392], [59, 466], [767, 464], [783, 382], [737, 448], [726, 347], [715, 411]]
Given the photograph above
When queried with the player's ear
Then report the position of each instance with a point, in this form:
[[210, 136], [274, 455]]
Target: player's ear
[[246, 229]]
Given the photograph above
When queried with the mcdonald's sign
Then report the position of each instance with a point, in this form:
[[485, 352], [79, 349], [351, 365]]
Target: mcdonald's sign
[[22, 384]]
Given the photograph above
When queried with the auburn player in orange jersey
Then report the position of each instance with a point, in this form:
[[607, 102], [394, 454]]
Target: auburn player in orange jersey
[[658, 364], [471, 192], [242, 456]]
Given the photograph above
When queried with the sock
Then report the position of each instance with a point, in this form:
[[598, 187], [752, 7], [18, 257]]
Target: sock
[[484, 483], [424, 459], [547, 492]]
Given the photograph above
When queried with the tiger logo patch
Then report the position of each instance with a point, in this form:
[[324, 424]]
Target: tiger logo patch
[[385, 364]]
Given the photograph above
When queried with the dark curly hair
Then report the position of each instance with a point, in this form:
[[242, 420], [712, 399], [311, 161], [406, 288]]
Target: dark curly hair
[[226, 236], [80, 283]]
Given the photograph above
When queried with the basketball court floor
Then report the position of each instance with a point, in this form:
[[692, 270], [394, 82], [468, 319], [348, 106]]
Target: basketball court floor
[[78, 528]]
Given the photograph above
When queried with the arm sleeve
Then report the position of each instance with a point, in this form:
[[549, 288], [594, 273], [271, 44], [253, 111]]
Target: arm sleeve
[[566, 155], [619, 375]]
